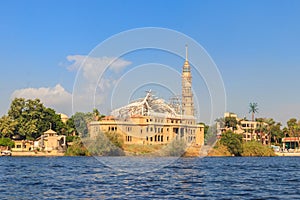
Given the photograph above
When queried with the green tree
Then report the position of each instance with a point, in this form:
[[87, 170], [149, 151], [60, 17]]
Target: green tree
[[270, 127], [96, 114], [31, 118], [81, 121], [233, 142], [292, 127], [7, 126], [6, 142], [231, 122], [253, 108]]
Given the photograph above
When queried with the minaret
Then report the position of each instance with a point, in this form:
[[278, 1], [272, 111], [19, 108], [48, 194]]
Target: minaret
[[187, 95]]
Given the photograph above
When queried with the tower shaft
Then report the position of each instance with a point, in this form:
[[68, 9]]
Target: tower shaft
[[187, 95]]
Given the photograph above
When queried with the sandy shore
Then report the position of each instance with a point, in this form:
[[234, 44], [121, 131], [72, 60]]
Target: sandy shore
[[287, 154], [31, 153]]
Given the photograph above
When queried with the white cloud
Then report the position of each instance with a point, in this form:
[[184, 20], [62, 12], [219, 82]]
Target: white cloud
[[92, 67], [95, 79], [56, 97]]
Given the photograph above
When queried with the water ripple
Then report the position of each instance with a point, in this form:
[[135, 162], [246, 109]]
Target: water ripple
[[207, 178]]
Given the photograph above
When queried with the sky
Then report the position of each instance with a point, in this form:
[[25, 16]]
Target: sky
[[254, 44]]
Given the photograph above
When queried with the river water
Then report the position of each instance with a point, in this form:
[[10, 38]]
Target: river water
[[184, 178]]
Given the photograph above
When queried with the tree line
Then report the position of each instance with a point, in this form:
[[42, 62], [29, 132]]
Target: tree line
[[29, 119]]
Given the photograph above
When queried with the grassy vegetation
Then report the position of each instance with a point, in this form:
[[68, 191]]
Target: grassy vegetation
[[254, 148], [105, 144], [251, 148], [175, 148], [219, 150], [140, 149], [77, 149]]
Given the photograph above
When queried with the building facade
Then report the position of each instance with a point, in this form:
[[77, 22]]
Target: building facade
[[251, 130], [151, 120]]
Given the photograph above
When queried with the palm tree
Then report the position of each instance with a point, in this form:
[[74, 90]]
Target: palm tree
[[253, 109]]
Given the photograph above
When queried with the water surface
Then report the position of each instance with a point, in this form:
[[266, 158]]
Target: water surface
[[189, 178]]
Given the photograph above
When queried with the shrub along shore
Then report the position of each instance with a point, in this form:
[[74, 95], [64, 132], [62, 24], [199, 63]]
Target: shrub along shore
[[231, 144]]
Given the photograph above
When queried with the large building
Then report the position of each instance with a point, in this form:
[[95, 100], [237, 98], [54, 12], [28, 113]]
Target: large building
[[249, 129], [151, 120]]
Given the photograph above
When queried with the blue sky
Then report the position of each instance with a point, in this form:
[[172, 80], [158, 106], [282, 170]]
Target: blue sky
[[255, 44]]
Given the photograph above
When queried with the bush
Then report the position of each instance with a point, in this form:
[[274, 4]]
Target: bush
[[174, 148], [6, 142], [71, 138], [77, 149], [233, 142], [254, 148], [105, 144], [219, 150]]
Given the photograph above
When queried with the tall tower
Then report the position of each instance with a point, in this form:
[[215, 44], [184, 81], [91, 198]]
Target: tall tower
[[187, 95]]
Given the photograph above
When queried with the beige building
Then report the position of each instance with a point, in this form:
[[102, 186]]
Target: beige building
[[151, 120], [249, 129], [64, 118], [51, 142], [23, 145], [151, 129]]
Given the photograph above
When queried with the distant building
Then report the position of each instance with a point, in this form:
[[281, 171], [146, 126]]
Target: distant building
[[51, 142], [48, 144], [249, 129], [64, 118], [23, 145], [291, 144], [151, 120], [230, 114]]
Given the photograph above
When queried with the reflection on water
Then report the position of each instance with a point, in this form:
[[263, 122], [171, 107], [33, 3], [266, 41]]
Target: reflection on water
[[207, 178]]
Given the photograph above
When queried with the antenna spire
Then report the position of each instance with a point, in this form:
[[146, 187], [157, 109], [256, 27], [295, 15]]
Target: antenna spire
[[186, 52]]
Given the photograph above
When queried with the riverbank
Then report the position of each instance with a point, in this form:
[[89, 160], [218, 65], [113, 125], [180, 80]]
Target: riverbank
[[247, 149], [35, 154], [287, 154]]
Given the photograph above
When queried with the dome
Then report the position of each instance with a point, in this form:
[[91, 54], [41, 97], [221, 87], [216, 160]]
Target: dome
[[145, 107]]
